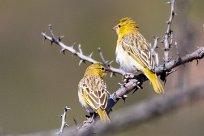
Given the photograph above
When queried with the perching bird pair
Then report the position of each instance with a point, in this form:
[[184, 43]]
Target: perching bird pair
[[132, 54]]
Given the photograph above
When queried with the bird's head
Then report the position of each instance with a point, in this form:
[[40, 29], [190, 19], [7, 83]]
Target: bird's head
[[96, 69], [126, 25]]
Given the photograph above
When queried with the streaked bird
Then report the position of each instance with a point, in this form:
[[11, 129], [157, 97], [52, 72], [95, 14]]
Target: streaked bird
[[133, 52], [92, 91]]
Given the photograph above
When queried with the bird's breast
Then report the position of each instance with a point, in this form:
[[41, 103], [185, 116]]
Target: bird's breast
[[126, 62]]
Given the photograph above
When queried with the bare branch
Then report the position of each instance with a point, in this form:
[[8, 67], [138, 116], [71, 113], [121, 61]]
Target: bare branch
[[64, 123], [196, 55], [168, 37]]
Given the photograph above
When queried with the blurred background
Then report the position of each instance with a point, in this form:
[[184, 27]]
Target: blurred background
[[37, 82]]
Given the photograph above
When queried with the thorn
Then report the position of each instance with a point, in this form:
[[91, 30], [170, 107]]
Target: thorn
[[121, 84], [197, 62], [138, 86], [75, 122], [80, 50], [168, 2], [67, 108], [111, 74], [81, 62], [60, 38], [124, 97], [110, 62], [134, 90], [52, 41], [99, 49], [63, 51], [87, 116], [173, 13], [168, 22], [91, 54], [73, 44], [79, 46], [45, 38]]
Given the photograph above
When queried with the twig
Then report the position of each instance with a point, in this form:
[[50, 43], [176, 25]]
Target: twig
[[106, 63], [168, 37], [102, 58], [64, 123]]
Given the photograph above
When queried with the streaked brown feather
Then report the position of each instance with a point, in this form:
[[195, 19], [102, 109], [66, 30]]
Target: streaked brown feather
[[93, 90], [136, 44]]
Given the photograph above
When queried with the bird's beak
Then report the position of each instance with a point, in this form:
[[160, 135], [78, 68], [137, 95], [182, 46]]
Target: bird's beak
[[115, 28]]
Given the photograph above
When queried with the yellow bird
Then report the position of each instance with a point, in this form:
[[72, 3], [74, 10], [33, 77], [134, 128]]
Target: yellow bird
[[133, 52], [92, 91]]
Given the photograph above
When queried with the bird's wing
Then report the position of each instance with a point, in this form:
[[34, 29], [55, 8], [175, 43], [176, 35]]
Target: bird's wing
[[94, 92], [139, 49]]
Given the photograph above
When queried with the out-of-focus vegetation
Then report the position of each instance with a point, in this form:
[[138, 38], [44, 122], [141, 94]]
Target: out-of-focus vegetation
[[36, 81]]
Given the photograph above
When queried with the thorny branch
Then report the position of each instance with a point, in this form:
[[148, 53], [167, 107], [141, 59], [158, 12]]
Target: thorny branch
[[79, 52], [168, 37], [64, 123]]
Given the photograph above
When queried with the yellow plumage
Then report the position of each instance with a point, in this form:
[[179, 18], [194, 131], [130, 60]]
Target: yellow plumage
[[133, 52], [92, 91]]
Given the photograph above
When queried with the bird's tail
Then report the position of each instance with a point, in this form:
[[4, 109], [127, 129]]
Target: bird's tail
[[103, 115], [158, 87]]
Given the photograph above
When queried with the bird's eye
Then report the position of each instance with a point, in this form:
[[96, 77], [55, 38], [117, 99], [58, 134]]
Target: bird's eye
[[102, 68], [119, 26]]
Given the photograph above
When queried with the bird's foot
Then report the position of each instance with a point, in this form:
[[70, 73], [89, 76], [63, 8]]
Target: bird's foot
[[127, 77]]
